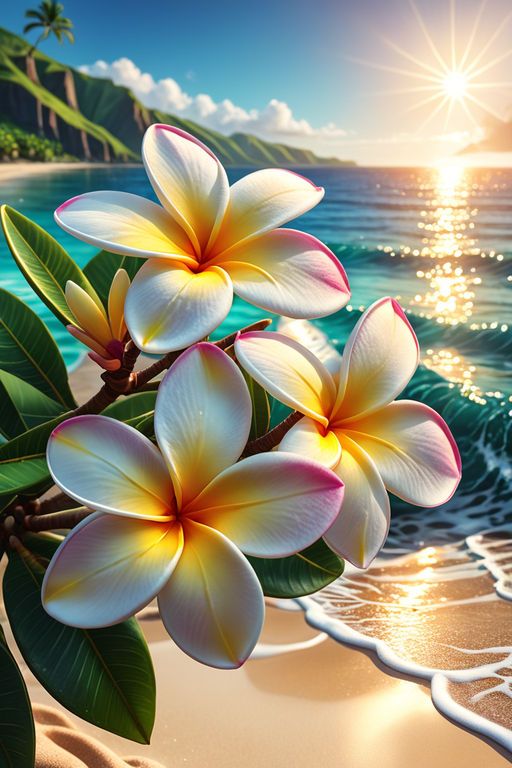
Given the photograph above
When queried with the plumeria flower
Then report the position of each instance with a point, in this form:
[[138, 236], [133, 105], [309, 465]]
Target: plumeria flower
[[102, 331], [207, 240], [353, 423], [172, 521]]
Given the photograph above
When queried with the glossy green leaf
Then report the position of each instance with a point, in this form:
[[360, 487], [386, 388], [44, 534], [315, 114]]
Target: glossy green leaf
[[100, 270], [28, 350], [22, 406], [43, 261], [300, 574], [23, 459], [17, 732], [137, 410], [104, 676], [260, 407]]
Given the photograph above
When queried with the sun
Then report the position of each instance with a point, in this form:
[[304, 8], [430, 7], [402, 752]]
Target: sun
[[454, 80], [455, 85]]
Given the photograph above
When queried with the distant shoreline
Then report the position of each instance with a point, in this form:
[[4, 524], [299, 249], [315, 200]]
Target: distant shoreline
[[20, 169]]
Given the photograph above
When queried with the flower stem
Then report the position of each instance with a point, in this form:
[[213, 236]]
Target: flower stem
[[125, 381], [65, 519], [271, 439]]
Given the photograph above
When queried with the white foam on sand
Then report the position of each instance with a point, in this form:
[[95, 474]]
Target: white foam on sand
[[325, 610]]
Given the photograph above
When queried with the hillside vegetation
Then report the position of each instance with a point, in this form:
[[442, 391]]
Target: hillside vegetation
[[93, 119]]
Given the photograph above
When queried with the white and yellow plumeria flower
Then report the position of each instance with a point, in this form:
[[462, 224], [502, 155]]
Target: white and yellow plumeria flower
[[353, 424], [102, 331], [206, 240], [174, 522]]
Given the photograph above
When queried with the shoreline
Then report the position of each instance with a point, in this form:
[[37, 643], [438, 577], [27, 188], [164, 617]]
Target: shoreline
[[25, 168]]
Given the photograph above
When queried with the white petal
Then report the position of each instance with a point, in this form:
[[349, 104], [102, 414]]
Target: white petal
[[202, 417], [312, 338], [265, 200], [108, 568], [311, 439], [379, 359], [413, 450], [169, 307], [188, 179], [271, 504], [362, 526], [212, 606], [109, 466], [291, 373], [288, 272], [124, 223]]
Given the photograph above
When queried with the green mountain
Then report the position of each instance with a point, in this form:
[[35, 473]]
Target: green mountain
[[93, 119]]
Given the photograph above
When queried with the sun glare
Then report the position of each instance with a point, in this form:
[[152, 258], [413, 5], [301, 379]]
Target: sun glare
[[455, 85], [454, 78]]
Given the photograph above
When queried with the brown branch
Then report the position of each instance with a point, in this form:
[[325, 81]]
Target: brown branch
[[126, 381], [54, 504], [272, 438], [65, 519]]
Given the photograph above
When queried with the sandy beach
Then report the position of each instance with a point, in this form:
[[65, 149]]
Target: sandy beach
[[23, 168], [326, 704]]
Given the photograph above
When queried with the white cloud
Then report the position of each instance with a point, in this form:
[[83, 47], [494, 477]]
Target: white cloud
[[276, 121]]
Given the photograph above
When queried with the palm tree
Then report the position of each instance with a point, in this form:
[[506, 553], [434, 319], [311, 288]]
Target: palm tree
[[48, 17]]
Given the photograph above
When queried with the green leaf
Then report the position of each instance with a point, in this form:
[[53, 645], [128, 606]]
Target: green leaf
[[17, 732], [101, 269], [132, 408], [28, 350], [22, 406], [260, 407], [23, 459], [43, 261], [104, 676], [300, 574], [137, 410]]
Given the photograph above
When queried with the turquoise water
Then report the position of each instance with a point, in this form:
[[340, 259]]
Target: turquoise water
[[440, 240]]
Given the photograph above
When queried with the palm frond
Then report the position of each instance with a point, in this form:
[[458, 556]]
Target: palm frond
[[31, 26]]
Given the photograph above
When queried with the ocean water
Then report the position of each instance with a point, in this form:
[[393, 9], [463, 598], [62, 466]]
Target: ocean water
[[439, 240]]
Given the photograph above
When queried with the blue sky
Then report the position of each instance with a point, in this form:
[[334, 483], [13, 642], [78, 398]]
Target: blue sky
[[302, 57]]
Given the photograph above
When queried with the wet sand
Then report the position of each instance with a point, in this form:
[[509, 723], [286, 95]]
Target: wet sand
[[327, 705]]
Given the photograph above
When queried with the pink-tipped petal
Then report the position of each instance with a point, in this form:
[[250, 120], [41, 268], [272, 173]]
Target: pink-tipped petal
[[413, 450], [108, 568], [188, 179], [271, 504], [120, 222], [311, 439], [360, 530], [312, 338], [169, 307], [262, 201], [109, 466], [116, 300], [107, 363], [212, 606], [86, 339], [202, 417], [288, 272], [379, 359], [289, 372]]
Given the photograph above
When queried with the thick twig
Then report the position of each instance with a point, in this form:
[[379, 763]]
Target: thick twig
[[271, 439], [65, 519], [126, 381], [54, 504]]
